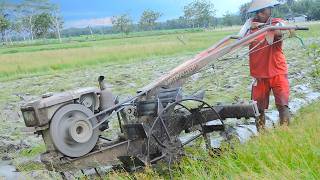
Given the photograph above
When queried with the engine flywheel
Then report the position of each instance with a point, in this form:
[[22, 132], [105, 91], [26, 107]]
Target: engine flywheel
[[72, 134]]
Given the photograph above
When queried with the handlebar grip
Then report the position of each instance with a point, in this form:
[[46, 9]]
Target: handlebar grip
[[302, 28]]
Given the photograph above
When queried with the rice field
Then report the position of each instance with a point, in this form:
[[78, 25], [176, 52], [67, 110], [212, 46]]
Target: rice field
[[21, 60], [52, 57]]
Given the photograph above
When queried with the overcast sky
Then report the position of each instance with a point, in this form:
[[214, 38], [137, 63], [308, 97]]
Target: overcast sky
[[81, 13]]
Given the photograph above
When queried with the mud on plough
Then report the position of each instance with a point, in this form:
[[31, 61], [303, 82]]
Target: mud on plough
[[72, 123]]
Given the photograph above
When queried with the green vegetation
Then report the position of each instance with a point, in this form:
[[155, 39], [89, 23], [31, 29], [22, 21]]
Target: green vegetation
[[281, 153], [85, 38], [32, 59], [34, 151], [30, 153], [21, 61], [30, 166], [314, 54], [148, 19]]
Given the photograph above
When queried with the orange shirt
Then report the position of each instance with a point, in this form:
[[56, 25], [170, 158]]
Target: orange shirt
[[268, 61]]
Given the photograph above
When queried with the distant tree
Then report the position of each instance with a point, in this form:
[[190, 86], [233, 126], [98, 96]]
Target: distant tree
[[122, 23], [176, 23], [57, 22], [17, 27], [290, 2], [189, 14], [314, 11], [32, 8], [5, 18], [284, 10], [4, 25], [199, 13], [148, 19], [227, 19], [42, 24], [244, 12]]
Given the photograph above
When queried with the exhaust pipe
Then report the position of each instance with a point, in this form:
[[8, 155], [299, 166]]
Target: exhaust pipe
[[101, 83], [106, 97]]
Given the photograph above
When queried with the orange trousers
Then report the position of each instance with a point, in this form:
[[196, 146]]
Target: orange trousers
[[262, 87]]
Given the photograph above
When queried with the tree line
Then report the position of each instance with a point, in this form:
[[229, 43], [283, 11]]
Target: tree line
[[201, 14], [198, 13], [29, 19], [35, 19]]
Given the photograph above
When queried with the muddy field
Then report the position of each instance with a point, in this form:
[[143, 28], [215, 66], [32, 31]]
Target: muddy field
[[227, 81]]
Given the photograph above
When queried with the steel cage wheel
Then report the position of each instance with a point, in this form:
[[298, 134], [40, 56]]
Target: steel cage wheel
[[171, 142]]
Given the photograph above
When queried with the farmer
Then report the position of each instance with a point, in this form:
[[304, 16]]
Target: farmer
[[267, 62]]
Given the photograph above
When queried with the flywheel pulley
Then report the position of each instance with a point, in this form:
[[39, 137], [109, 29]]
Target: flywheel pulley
[[71, 131]]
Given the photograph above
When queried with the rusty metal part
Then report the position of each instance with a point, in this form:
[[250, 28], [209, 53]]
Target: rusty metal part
[[108, 154], [106, 97], [105, 156], [71, 133], [38, 113]]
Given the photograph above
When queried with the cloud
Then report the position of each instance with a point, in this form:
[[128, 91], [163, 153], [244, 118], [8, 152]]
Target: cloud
[[106, 21]]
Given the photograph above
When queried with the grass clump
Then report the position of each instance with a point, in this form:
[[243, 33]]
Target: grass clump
[[314, 53], [291, 153], [26, 159], [34, 151], [30, 166]]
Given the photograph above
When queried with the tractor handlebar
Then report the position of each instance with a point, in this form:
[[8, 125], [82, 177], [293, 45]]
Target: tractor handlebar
[[302, 28]]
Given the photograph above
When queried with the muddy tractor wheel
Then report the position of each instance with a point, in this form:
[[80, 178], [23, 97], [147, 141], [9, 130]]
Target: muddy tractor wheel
[[71, 132], [166, 131]]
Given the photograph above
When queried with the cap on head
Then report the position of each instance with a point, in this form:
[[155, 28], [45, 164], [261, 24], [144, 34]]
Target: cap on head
[[257, 5]]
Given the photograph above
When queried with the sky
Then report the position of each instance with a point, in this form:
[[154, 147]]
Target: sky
[[81, 13]]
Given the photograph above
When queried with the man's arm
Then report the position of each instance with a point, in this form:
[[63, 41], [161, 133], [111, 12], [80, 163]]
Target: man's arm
[[245, 28]]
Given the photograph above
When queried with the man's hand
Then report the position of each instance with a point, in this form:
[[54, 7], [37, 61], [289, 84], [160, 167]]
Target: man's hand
[[279, 33], [255, 25], [292, 33]]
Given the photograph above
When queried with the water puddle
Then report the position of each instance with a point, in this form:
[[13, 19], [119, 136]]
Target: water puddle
[[244, 131], [8, 171]]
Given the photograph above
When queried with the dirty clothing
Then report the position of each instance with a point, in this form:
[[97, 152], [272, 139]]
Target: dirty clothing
[[262, 87], [267, 61], [269, 68]]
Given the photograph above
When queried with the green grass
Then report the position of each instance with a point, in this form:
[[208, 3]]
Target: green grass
[[25, 165], [34, 151], [96, 37], [23, 60], [105, 51], [292, 154], [282, 153], [30, 166]]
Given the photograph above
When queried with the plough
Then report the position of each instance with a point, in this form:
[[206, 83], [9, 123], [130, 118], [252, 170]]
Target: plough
[[151, 123]]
